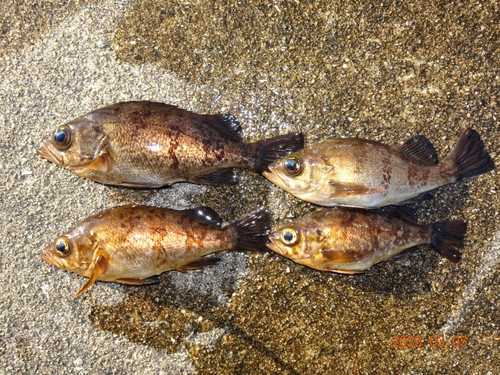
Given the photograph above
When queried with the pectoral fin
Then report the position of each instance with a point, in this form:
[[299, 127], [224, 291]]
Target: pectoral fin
[[342, 190], [100, 267], [100, 164]]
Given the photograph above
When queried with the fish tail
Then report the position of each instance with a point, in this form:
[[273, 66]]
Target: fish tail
[[252, 231], [446, 236], [275, 148], [469, 156]]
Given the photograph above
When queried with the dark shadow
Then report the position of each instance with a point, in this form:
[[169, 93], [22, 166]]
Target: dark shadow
[[163, 316]]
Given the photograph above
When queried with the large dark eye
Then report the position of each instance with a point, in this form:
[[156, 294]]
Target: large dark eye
[[288, 236], [62, 137], [292, 165], [62, 247]]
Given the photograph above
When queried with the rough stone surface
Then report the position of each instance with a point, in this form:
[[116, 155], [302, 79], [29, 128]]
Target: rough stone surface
[[383, 70]]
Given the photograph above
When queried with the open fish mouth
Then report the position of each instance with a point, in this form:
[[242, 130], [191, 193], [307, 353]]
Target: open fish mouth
[[45, 152]]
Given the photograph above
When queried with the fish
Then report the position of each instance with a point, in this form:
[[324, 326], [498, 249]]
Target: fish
[[143, 144], [353, 172], [351, 240], [133, 244]]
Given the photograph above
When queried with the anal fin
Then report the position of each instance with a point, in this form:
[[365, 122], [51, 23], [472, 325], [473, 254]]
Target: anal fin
[[146, 281], [345, 272], [220, 177], [198, 264]]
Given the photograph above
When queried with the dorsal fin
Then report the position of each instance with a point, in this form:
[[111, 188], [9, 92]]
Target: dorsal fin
[[205, 215], [419, 148], [226, 124]]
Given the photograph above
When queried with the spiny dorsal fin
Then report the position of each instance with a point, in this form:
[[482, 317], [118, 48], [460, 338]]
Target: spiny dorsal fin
[[419, 148], [226, 124], [205, 215]]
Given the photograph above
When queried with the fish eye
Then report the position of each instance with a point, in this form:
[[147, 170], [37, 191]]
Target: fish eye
[[288, 236], [292, 165], [62, 137], [62, 247]]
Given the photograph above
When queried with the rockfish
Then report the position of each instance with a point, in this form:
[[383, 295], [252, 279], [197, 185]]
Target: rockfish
[[149, 145], [134, 244], [361, 173], [352, 240]]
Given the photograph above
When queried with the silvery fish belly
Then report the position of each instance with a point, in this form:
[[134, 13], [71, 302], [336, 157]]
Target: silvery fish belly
[[146, 145], [361, 173], [352, 240], [134, 244]]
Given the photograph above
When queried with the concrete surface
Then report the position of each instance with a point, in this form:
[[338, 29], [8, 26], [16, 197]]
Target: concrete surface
[[384, 70]]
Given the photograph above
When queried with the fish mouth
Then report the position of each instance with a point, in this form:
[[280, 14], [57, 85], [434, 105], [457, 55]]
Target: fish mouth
[[45, 152], [271, 245], [49, 258], [273, 177]]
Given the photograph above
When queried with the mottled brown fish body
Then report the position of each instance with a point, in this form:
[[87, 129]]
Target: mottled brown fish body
[[147, 145], [351, 241], [130, 244], [361, 173]]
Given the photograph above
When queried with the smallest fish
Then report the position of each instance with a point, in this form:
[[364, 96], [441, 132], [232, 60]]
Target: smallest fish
[[134, 244], [352, 240]]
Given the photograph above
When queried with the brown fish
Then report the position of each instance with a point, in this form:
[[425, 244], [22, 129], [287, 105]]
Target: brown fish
[[360, 173], [149, 145], [352, 240], [134, 244]]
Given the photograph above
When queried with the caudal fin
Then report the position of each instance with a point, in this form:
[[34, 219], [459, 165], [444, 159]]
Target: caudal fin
[[469, 156], [252, 231], [275, 148], [446, 236]]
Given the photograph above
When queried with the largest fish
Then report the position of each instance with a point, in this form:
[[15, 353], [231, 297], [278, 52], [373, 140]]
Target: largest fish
[[133, 244], [362, 173], [148, 145]]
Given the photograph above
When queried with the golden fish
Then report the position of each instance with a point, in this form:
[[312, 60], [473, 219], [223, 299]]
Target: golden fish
[[148, 145], [352, 240], [360, 173], [134, 244]]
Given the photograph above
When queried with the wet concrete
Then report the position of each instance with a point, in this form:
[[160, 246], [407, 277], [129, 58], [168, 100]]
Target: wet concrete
[[384, 71]]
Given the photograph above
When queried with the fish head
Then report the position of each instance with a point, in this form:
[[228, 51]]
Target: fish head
[[293, 242], [73, 251], [300, 173], [74, 145]]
